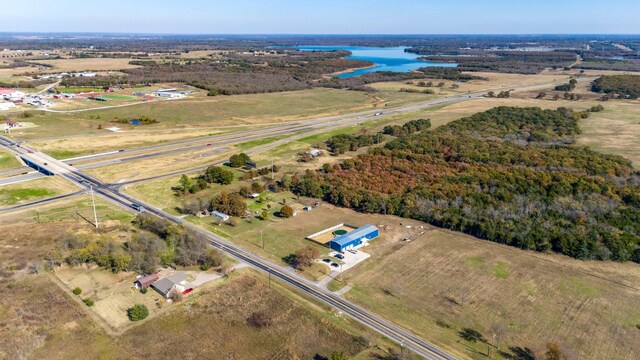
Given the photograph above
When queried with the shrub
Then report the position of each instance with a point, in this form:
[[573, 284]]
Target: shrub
[[77, 291], [144, 290], [286, 211], [259, 320], [88, 301], [137, 312]]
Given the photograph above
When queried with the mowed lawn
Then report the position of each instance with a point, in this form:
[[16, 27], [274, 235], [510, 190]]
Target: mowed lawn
[[443, 282]]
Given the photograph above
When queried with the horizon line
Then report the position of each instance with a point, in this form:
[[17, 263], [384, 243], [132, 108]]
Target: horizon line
[[316, 34]]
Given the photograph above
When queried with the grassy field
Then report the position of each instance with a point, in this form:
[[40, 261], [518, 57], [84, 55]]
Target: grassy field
[[8, 161], [33, 190], [614, 130], [73, 90], [88, 64], [443, 282], [105, 141], [119, 97]]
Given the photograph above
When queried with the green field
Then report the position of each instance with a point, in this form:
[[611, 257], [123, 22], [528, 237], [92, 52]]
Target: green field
[[73, 90], [8, 161], [12, 197], [119, 97]]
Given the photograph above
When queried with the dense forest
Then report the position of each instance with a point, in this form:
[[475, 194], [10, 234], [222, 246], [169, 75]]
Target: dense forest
[[624, 86], [509, 175]]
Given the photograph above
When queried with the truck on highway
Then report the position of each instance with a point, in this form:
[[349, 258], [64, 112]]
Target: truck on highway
[[137, 207]]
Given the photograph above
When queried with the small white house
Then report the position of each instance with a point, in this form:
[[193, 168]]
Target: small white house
[[220, 216]]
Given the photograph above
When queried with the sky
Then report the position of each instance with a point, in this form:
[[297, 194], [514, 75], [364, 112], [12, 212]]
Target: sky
[[324, 16]]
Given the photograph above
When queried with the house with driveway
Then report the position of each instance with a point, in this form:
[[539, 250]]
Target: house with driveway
[[167, 287]]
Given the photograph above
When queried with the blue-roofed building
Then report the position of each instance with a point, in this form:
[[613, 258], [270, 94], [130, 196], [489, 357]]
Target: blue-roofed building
[[354, 238]]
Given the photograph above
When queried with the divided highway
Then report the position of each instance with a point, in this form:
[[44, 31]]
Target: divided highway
[[393, 332]]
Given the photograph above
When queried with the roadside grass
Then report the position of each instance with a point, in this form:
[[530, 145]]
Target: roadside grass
[[61, 154], [8, 161], [32, 190], [255, 143], [14, 196]]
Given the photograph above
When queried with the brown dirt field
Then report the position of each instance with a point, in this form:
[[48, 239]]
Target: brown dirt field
[[89, 64]]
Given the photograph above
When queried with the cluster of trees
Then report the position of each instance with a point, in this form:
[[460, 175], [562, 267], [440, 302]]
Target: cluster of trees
[[143, 120], [504, 175], [159, 243], [624, 86], [501, 94], [239, 160], [303, 257], [341, 143], [408, 128], [416, 91], [567, 87], [218, 175], [233, 204]]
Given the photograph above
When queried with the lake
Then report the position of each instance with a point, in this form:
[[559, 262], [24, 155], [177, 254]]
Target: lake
[[385, 59]]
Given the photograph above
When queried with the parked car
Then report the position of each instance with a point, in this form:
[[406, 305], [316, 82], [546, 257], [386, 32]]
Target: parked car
[[339, 256], [334, 265], [327, 260]]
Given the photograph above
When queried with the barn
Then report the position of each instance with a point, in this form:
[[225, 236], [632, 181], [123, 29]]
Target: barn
[[354, 238]]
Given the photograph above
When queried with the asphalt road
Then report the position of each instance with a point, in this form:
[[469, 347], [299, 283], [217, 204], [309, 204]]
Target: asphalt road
[[285, 274]]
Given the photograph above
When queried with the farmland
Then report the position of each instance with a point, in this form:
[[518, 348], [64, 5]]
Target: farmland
[[89, 64], [588, 307]]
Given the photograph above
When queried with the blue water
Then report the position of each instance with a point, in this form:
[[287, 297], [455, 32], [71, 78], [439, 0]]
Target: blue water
[[385, 59]]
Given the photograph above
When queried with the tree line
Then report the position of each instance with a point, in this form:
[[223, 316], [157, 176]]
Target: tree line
[[509, 175], [623, 86]]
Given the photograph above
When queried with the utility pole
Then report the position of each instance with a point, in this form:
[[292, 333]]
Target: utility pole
[[93, 202], [261, 239]]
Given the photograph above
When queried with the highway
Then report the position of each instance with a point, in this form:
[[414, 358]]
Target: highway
[[300, 129], [287, 275]]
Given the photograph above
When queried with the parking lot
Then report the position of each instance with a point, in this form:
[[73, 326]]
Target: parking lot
[[350, 259]]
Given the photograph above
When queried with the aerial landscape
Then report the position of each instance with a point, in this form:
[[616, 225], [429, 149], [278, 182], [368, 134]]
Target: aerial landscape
[[296, 180]]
